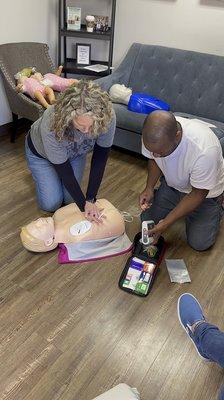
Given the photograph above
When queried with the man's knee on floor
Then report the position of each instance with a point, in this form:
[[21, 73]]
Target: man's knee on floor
[[200, 242]]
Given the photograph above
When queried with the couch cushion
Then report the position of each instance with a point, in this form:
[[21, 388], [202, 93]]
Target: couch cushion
[[128, 120]]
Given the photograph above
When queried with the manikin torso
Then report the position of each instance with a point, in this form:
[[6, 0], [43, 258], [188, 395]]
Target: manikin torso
[[66, 221]]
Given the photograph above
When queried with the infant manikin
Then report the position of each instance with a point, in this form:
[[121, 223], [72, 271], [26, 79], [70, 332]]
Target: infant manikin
[[55, 81], [30, 86], [41, 88], [68, 226]]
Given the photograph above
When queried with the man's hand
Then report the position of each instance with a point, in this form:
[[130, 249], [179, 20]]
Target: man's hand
[[158, 230], [93, 213], [146, 198]]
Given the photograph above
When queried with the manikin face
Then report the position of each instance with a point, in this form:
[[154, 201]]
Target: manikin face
[[38, 76], [22, 79], [43, 229], [83, 123], [120, 92]]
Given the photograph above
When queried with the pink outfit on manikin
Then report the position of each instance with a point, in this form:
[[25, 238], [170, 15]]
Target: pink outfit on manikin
[[31, 85], [58, 84]]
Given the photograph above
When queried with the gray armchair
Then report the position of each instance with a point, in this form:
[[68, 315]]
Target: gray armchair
[[14, 57]]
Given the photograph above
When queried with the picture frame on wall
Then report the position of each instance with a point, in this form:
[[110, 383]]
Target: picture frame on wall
[[83, 54]]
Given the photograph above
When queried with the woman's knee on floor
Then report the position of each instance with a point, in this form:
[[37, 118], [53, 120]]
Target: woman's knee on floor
[[50, 205]]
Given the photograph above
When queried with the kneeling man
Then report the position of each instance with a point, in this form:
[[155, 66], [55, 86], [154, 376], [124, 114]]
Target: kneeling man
[[187, 156]]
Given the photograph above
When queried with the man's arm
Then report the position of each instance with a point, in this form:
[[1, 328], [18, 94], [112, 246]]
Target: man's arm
[[204, 176], [154, 173], [188, 204]]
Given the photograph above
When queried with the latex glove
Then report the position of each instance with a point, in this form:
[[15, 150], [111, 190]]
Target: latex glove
[[146, 198], [93, 213]]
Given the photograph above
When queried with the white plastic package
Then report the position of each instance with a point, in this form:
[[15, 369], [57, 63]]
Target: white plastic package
[[120, 392], [178, 271]]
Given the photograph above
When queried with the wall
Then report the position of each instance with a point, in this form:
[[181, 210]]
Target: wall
[[186, 24], [26, 20]]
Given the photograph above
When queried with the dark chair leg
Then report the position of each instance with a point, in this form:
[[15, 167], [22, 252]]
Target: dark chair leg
[[14, 128]]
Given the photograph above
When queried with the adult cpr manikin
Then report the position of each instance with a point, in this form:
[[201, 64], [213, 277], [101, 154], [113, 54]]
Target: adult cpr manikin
[[69, 226]]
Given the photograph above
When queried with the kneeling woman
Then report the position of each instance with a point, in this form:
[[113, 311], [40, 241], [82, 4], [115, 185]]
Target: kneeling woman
[[81, 121]]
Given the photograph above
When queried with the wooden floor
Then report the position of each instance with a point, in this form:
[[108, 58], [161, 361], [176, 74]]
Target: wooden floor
[[67, 332]]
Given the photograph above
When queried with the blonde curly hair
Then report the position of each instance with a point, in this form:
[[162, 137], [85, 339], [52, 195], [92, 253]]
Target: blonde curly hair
[[84, 97]]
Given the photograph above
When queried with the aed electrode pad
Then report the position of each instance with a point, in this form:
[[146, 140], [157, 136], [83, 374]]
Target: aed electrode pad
[[80, 228]]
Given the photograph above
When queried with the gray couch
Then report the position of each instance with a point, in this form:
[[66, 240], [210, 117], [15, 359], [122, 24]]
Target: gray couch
[[192, 83]]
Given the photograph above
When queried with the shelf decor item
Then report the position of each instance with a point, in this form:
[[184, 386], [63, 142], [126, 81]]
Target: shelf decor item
[[97, 68], [83, 53], [73, 18], [89, 31], [90, 23], [101, 23]]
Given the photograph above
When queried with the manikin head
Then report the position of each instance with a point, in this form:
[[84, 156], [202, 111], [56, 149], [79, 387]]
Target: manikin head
[[21, 79], [161, 133], [27, 72], [38, 76], [120, 93], [38, 236]]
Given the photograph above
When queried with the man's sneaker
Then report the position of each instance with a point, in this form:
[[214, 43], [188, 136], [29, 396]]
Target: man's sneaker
[[189, 313]]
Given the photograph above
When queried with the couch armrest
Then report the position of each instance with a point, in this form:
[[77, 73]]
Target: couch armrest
[[109, 81], [122, 73]]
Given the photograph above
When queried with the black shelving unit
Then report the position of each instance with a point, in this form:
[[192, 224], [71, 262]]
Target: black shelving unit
[[70, 66]]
